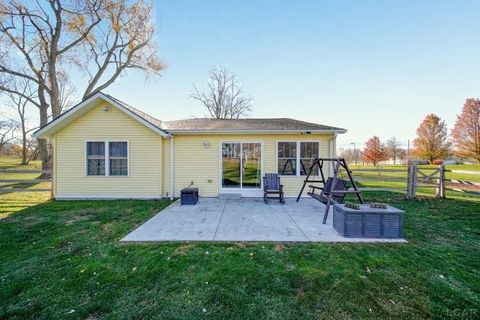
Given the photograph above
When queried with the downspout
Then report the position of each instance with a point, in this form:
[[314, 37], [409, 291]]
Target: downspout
[[171, 168], [331, 152]]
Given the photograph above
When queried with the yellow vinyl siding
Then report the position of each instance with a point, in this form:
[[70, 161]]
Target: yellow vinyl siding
[[197, 159], [144, 156]]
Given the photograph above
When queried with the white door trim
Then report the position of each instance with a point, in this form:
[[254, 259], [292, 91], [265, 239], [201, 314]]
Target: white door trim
[[245, 192]]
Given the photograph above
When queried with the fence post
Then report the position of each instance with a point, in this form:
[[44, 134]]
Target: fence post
[[410, 181], [414, 180], [441, 182]]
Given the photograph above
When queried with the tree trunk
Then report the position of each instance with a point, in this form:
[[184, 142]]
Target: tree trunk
[[43, 151], [24, 144], [55, 92]]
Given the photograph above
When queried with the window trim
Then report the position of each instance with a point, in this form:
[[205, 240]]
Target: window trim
[[243, 191], [107, 157], [297, 160]]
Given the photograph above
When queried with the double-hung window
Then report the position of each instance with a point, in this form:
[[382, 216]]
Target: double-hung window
[[96, 158], [308, 153], [287, 158], [107, 158], [118, 157], [296, 157]]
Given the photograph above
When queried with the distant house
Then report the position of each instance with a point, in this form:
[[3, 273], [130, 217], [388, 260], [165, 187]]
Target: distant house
[[104, 148]]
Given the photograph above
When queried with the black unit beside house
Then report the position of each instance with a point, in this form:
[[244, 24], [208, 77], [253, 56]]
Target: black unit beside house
[[189, 196]]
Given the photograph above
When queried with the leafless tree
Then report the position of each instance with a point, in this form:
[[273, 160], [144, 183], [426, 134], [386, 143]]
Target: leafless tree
[[8, 129], [41, 42], [19, 103], [352, 155], [32, 149], [393, 148], [224, 98]]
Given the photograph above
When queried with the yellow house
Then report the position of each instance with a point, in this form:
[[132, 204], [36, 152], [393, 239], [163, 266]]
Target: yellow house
[[104, 148]]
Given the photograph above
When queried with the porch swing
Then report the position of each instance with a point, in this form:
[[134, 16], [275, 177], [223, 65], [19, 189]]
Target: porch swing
[[334, 189]]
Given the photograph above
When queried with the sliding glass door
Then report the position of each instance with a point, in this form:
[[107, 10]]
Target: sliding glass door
[[241, 165], [231, 165]]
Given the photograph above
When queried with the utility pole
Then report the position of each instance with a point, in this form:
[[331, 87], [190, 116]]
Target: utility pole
[[408, 149]]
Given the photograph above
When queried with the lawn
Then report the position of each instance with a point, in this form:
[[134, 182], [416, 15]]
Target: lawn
[[62, 259], [12, 202]]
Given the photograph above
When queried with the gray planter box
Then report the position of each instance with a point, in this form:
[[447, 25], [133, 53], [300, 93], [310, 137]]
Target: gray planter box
[[368, 222]]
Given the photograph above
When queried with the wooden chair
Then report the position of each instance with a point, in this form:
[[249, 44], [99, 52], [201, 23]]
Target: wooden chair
[[340, 185], [272, 186]]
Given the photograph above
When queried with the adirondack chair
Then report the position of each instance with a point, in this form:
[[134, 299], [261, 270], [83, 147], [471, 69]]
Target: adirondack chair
[[272, 186], [340, 185]]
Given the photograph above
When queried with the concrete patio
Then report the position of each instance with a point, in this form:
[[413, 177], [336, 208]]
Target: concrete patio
[[215, 219]]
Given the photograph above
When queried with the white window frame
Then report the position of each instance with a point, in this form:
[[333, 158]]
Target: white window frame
[[297, 160], [107, 158], [244, 191]]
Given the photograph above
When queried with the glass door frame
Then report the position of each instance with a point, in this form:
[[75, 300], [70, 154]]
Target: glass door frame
[[245, 192]]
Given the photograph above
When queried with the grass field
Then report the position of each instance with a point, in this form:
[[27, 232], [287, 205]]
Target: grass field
[[12, 202], [62, 260]]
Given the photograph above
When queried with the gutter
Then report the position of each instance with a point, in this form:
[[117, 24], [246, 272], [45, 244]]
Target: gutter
[[331, 152], [305, 132], [171, 167]]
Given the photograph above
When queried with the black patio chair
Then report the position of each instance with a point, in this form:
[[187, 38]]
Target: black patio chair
[[272, 186]]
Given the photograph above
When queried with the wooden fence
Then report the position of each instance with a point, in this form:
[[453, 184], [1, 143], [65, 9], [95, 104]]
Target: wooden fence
[[425, 177], [463, 185], [383, 179], [419, 177], [24, 183]]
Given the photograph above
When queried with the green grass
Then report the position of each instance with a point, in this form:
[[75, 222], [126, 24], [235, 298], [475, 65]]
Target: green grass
[[11, 202], [62, 260]]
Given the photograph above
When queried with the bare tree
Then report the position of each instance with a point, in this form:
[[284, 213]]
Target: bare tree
[[393, 149], [224, 98], [41, 41], [8, 129], [32, 149], [19, 103], [352, 155]]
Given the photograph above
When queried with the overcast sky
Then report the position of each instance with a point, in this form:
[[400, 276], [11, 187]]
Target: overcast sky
[[373, 67]]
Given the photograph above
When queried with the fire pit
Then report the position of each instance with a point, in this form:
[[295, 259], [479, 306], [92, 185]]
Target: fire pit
[[364, 221]]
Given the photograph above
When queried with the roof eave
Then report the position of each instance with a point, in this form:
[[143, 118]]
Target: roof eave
[[186, 132]]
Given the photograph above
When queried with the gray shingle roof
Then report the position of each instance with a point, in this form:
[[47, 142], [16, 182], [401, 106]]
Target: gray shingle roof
[[250, 124]]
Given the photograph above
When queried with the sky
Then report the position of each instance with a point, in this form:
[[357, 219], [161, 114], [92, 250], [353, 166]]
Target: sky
[[372, 67]]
